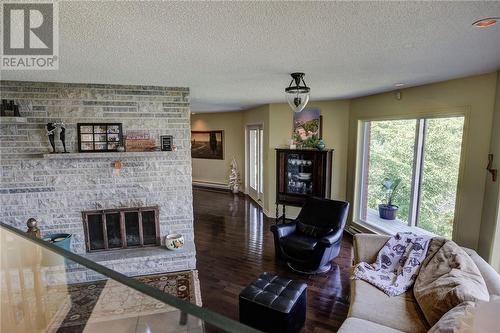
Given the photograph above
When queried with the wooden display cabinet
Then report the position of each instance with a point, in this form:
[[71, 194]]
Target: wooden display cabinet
[[302, 173]]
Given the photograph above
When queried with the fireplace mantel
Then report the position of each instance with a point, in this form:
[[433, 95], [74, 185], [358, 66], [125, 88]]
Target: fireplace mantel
[[113, 155]]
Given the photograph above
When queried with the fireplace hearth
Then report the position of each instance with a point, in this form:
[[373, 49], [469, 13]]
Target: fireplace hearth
[[121, 228]]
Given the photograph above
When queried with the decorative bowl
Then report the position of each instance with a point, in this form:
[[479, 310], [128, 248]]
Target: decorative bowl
[[174, 241], [304, 176]]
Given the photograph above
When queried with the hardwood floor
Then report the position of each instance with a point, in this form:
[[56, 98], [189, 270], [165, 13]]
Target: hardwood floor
[[234, 245]]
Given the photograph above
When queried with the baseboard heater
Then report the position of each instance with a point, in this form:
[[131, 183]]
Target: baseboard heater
[[211, 185]]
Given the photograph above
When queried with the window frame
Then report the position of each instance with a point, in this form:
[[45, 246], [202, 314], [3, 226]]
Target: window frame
[[420, 135]]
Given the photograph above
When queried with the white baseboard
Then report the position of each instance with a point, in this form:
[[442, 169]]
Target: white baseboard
[[211, 185]]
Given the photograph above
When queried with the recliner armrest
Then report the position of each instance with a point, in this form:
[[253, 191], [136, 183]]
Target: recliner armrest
[[283, 230], [331, 238]]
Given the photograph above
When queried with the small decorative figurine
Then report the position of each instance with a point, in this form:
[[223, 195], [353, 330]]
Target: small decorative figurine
[[33, 229], [9, 106], [62, 136], [51, 128], [51, 132]]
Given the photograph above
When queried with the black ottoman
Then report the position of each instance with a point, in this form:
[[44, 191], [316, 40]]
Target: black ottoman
[[274, 304]]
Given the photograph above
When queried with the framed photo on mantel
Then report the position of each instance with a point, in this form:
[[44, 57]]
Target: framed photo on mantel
[[99, 137]]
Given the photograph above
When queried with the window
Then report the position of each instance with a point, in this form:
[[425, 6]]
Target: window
[[423, 155], [121, 228]]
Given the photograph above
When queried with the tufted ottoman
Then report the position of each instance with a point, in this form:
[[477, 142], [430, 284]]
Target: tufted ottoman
[[274, 304]]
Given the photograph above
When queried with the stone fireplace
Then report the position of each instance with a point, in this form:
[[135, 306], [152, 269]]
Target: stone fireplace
[[78, 193]]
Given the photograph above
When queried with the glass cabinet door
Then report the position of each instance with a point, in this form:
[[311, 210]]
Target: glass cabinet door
[[299, 176]]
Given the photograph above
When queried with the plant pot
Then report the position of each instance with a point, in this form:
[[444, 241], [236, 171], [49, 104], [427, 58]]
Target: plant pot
[[174, 241], [60, 240], [388, 212]]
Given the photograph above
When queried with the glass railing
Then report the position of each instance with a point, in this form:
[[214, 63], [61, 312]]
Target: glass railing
[[45, 288]]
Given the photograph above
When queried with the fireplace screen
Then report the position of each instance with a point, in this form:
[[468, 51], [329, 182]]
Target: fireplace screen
[[121, 228]]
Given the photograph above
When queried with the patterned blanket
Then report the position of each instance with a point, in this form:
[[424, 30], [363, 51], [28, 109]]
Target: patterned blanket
[[397, 264]]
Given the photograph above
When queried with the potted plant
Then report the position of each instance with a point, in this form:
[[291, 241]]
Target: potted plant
[[387, 210]]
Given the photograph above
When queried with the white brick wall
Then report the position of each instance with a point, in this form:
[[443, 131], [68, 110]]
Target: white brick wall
[[56, 190]]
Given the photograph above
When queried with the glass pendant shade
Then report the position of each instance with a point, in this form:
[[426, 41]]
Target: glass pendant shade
[[297, 93], [297, 102]]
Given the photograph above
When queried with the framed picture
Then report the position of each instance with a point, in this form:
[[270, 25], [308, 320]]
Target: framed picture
[[99, 137], [166, 142], [207, 144], [307, 128]]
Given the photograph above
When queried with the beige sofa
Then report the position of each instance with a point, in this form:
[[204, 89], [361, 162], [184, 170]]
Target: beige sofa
[[372, 311]]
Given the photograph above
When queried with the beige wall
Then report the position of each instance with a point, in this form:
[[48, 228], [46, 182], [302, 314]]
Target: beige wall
[[335, 126], [217, 171], [489, 237], [473, 96]]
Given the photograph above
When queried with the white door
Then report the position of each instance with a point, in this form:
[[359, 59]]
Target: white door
[[255, 162]]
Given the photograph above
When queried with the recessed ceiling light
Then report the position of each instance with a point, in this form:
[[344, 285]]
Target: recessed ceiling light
[[486, 22], [398, 84]]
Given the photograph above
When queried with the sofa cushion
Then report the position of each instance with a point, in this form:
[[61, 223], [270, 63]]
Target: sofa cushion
[[490, 276], [298, 242], [446, 279], [400, 312], [356, 325], [367, 246], [453, 319]]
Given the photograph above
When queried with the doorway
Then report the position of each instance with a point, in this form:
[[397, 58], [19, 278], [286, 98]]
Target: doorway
[[255, 163]]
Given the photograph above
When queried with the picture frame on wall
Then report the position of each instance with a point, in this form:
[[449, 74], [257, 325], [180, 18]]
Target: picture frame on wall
[[207, 144], [307, 126], [99, 137]]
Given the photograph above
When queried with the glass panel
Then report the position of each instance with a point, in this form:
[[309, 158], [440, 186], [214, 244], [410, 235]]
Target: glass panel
[[253, 160], [132, 228], [261, 159], [149, 227], [44, 291], [443, 143], [113, 230], [390, 155], [96, 234], [299, 174]]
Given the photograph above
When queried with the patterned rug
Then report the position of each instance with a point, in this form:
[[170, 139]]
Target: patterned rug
[[109, 300]]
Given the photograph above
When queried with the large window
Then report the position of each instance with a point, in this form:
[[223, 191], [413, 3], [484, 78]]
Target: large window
[[423, 157]]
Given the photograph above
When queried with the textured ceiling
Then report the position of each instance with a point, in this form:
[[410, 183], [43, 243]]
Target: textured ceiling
[[238, 54]]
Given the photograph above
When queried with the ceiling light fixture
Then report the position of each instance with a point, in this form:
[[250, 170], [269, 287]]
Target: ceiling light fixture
[[399, 85], [486, 22], [297, 95]]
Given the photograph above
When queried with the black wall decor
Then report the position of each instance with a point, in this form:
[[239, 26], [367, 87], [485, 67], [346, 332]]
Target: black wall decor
[[99, 137], [9, 106], [166, 142]]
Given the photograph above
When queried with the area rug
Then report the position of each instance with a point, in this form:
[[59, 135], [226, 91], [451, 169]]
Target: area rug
[[109, 300]]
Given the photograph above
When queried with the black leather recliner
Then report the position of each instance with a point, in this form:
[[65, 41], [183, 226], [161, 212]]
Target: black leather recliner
[[309, 243]]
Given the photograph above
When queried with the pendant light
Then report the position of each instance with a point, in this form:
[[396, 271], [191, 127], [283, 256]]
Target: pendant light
[[297, 95]]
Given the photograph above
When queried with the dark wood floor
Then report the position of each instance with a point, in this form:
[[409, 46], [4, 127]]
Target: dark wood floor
[[234, 245]]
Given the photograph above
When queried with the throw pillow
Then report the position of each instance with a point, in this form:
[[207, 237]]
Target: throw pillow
[[313, 231], [446, 279]]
